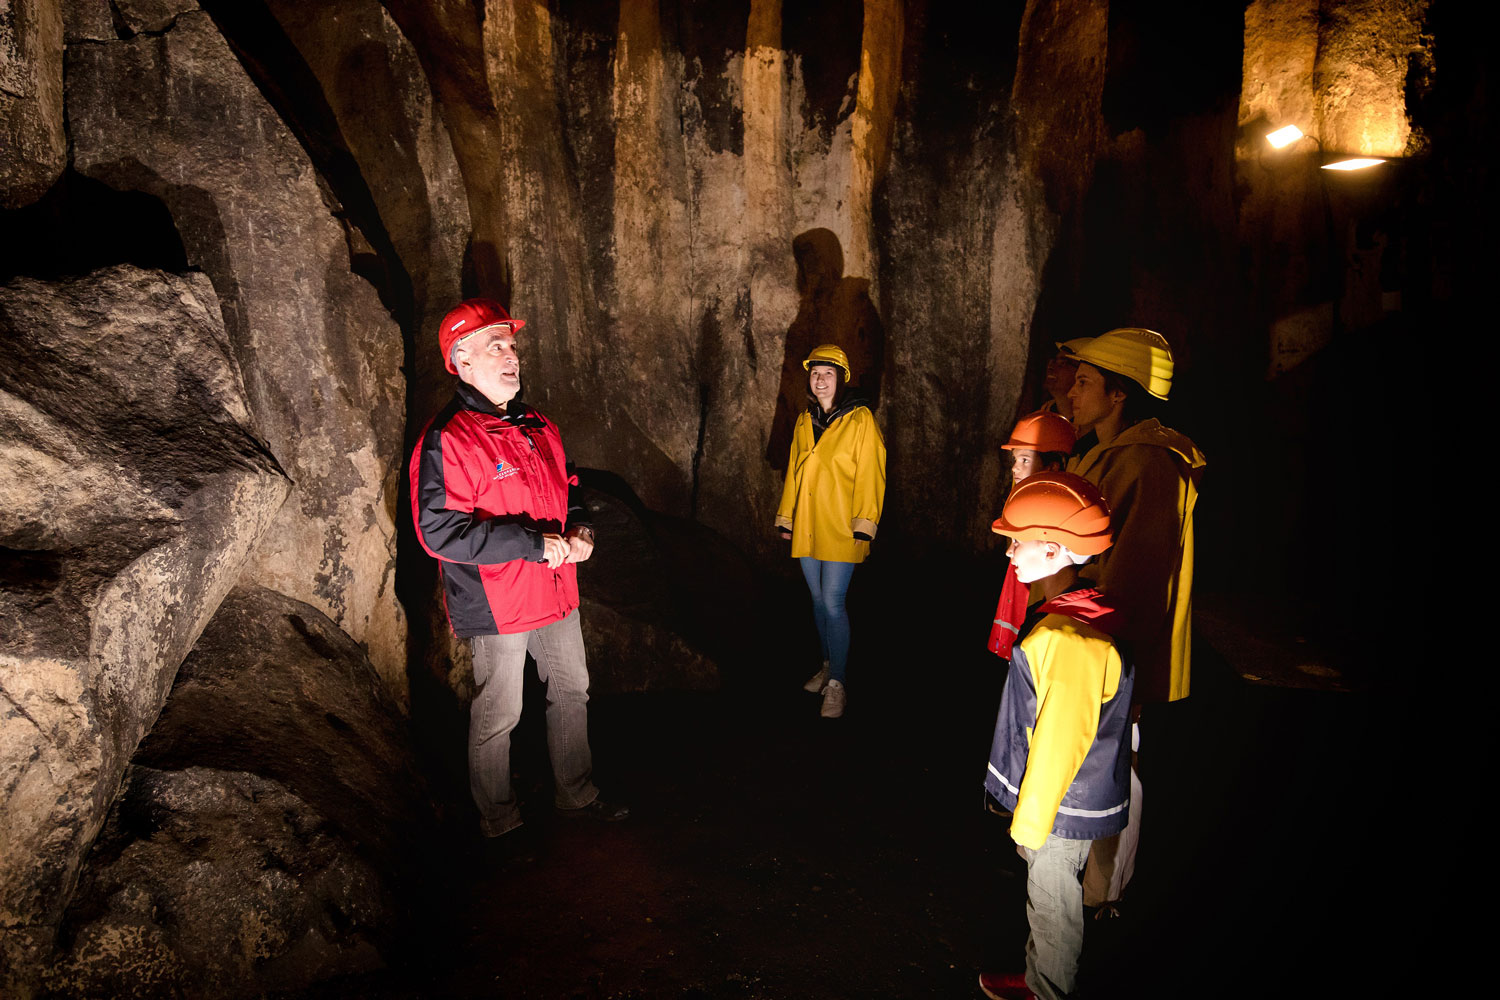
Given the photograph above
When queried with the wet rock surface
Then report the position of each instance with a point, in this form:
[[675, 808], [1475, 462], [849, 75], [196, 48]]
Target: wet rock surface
[[175, 114], [134, 492], [269, 825]]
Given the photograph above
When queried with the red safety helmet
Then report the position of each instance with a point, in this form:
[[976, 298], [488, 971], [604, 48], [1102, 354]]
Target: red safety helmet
[[468, 318], [1042, 431]]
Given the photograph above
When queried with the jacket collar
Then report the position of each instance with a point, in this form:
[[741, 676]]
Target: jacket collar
[[1149, 432], [823, 421], [516, 412]]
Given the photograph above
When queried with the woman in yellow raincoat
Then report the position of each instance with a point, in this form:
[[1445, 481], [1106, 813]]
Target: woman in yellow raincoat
[[830, 505]]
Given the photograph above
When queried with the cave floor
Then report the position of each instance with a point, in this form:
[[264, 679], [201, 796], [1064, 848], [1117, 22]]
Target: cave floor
[[775, 854]]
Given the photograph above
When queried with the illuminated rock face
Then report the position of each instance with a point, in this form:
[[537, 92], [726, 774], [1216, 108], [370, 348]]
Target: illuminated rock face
[[370, 76], [134, 492], [175, 115], [1337, 71], [33, 148], [279, 752], [651, 179]]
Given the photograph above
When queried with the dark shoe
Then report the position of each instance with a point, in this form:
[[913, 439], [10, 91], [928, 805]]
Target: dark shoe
[[1005, 986], [515, 846], [599, 811]]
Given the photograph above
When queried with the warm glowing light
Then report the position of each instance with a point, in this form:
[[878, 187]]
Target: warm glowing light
[[1358, 163], [1284, 136]]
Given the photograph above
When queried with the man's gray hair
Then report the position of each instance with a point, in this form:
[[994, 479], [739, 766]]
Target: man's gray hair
[[453, 351]]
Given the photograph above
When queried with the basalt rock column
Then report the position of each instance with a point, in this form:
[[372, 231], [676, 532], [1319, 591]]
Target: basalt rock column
[[175, 115], [132, 495]]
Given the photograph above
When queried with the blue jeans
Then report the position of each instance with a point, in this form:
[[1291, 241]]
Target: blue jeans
[[829, 582], [499, 668]]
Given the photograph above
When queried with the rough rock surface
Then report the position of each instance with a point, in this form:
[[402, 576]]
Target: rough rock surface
[[984, 188], [647, 622], [309, 712], [386, 113], [219, 883], [33, 148], [650, 175], [131, 496], [174, 114], [268, 825]]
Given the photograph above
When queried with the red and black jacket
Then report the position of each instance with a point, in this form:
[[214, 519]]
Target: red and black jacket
[[485, 487]]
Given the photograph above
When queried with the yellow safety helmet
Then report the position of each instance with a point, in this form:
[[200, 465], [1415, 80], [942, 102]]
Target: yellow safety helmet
[[829, 354], [1143, 356]]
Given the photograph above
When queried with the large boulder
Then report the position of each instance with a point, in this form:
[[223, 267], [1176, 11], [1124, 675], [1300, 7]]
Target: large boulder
[[33, 147], [131, 496], [268, 823], [171, 111]]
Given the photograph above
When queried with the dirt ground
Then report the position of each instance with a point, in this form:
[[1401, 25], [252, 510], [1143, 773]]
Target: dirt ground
[[775, 854]]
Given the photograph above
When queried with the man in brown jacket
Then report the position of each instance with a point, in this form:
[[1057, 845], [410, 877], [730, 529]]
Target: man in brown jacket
[[1149, 473]]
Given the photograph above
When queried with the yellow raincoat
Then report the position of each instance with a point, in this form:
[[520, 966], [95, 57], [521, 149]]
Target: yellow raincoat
[[834, 487], [1149, 474]]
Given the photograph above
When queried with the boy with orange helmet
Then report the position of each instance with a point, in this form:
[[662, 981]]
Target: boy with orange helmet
[[1060, 759]]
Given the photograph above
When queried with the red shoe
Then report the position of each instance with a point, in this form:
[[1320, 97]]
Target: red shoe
[[1005, 986]]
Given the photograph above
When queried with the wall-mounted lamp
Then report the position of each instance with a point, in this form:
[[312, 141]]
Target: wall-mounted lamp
[[1288, 134], [1284, 136]]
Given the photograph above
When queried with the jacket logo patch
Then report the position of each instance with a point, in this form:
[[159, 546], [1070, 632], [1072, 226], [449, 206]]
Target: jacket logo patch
[[504, 470]]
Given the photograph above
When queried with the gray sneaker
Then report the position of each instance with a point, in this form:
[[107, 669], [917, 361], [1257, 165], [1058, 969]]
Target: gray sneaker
[[817, 681], [833, 700]]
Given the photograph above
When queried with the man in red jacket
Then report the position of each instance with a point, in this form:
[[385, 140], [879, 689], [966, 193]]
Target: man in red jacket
[[490, 489]]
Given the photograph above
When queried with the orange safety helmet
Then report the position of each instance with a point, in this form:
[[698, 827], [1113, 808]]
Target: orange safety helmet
[[468, 318], [1058, 507], [1042, 431]]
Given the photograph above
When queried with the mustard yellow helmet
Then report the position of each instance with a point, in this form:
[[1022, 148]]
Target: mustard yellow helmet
[[1143, 356], [829, 354]]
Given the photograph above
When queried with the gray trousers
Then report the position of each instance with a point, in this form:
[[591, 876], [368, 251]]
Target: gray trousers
[[1054, 909], [499, 670]]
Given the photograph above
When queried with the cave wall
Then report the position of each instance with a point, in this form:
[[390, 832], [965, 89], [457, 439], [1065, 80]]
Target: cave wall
[[653, 167], [680, 198], [33, 148], [134, 492], [169, 110]]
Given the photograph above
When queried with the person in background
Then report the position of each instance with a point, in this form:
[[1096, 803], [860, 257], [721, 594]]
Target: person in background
[[830, 506], [1040, 442], [1150, 474], [1058, 380], [492, 501], [1060, 757]]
